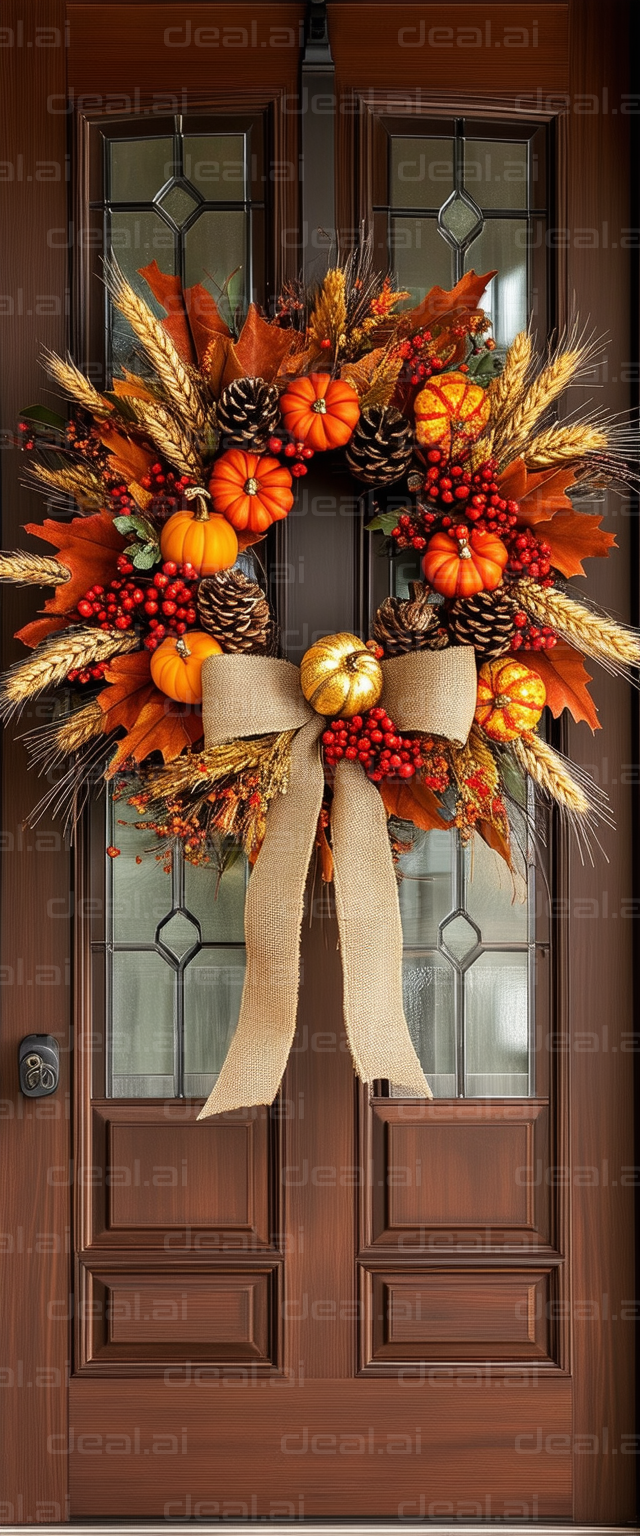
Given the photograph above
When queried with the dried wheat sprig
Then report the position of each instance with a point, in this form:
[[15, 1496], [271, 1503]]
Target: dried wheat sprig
[[197, 773], [573, 354], [564, 445], [549, 772], [383, 382], [505, 390], [37, 570], [176, 379], [614, 645], [75, 648], [75, 480], [169, 435], [74, 383], [328, 320], [481, 450], [49, 743], [68, 796]]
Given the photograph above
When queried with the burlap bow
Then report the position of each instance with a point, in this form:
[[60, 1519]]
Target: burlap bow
[[430, 691]]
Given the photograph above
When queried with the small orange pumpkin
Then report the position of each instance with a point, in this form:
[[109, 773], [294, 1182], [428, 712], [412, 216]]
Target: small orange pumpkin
[[252, 490], [207, 543], [450, 411], [511, 699], [463, 562], [176, 666], [320, 411]]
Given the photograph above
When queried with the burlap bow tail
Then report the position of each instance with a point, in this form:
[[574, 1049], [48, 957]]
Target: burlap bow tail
[[428, 691]]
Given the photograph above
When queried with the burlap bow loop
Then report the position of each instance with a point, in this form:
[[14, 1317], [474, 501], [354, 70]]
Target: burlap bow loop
[[430, 691]]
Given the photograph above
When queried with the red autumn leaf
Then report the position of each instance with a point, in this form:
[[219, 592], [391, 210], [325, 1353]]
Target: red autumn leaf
[[205, 319], [574, 537], [565, 678], [413, 802], [167, 289], [220, 364], [261, 348], [129, 457], [439, 302], [39, 629], [161, 726], [543, 495], [88, 547], [131, 688]]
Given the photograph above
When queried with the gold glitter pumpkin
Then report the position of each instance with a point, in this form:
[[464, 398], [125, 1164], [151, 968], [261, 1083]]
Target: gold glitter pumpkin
[[339, 676]]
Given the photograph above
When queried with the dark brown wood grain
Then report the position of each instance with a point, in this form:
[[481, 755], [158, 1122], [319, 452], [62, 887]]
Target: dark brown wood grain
[[35, 904], [496, 1315], [127, 50], [464, 49], [432, 1444]]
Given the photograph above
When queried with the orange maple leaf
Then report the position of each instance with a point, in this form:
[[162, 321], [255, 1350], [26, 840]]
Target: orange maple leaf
[[161, 726], [261, 347], [88, 547], [495, 839], [565, 678], [129, 457], [440, 302], [193, 316], [413, 802], [40, 629], [540, 495], [574, 537], [131, 688]]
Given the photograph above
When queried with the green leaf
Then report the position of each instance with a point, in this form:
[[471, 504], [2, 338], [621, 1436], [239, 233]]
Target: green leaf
[[385, 522], [124, 524], [484, 367], [46, 417], [144, 556]]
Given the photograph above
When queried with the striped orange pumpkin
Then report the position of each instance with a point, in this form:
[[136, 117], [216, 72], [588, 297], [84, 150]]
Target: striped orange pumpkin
[[450, 411]]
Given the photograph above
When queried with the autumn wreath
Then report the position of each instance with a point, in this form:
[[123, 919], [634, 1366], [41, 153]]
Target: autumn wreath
[[156, 620]]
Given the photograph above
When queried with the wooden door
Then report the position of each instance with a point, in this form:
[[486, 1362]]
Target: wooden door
[[355, 1305]]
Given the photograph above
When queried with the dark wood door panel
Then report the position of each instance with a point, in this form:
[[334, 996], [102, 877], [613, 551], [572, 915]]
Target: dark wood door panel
[[458, 1169], [156, 1181], [133, 1321], [496, 1315], [200, 1449]]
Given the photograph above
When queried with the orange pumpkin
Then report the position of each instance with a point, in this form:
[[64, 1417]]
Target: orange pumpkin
[[207, 543], [511, 699], [320, 411], [450, 411], [176, 666], [251, 489], [463, 562]]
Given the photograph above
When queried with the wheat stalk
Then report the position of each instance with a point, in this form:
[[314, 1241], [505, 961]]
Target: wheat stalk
[[505, 390], [547, 769], [74, 383], [480, 451], [563, 445], [75, 480], [567, 362], [175, 377], [43, 570], [169, 436], [616, 646], [59, 739], [197, 773], [329, 318], [50, 663], [383, 382]]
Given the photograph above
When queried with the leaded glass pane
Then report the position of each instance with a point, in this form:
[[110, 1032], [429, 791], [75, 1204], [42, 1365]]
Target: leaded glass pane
[[495, 172], [179, 204], [503, 245], [138, 892], [212, 993], [139, 167], [419, 255], [429, 1003], [141, 1025], [215, 254], [426, 886], [496, 996], [421, 172], [215, 164]]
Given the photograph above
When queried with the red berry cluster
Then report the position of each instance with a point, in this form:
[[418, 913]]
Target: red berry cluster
[[294, 450], [529, 556], [374, 741], [26, 440], [166, 488], [487, 508], [93, 674], [419, 359], [529, 637], [111, 607], [170, 602]]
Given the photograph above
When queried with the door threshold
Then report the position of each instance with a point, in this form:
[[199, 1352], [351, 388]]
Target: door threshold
[[335, 1527]]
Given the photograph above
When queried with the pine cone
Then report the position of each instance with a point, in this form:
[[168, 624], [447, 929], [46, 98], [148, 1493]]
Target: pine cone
[[248, 413], [484, 621], [380, 449], [236, 611], [401, 626]]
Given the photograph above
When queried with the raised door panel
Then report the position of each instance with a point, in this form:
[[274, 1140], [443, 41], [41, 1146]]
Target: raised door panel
[[493, 1316], [134, 1320]]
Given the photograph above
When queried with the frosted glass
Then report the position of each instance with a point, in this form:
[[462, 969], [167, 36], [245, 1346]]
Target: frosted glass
[[495, 898], [140, 893], [420, 256], [139, 168], [428, 991], [503, 245], [214, 163], [426, 887], [497, 1025], [142, 993], [221, 916], [495, 172], [215, 254], [421, 172], [212, 991]]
